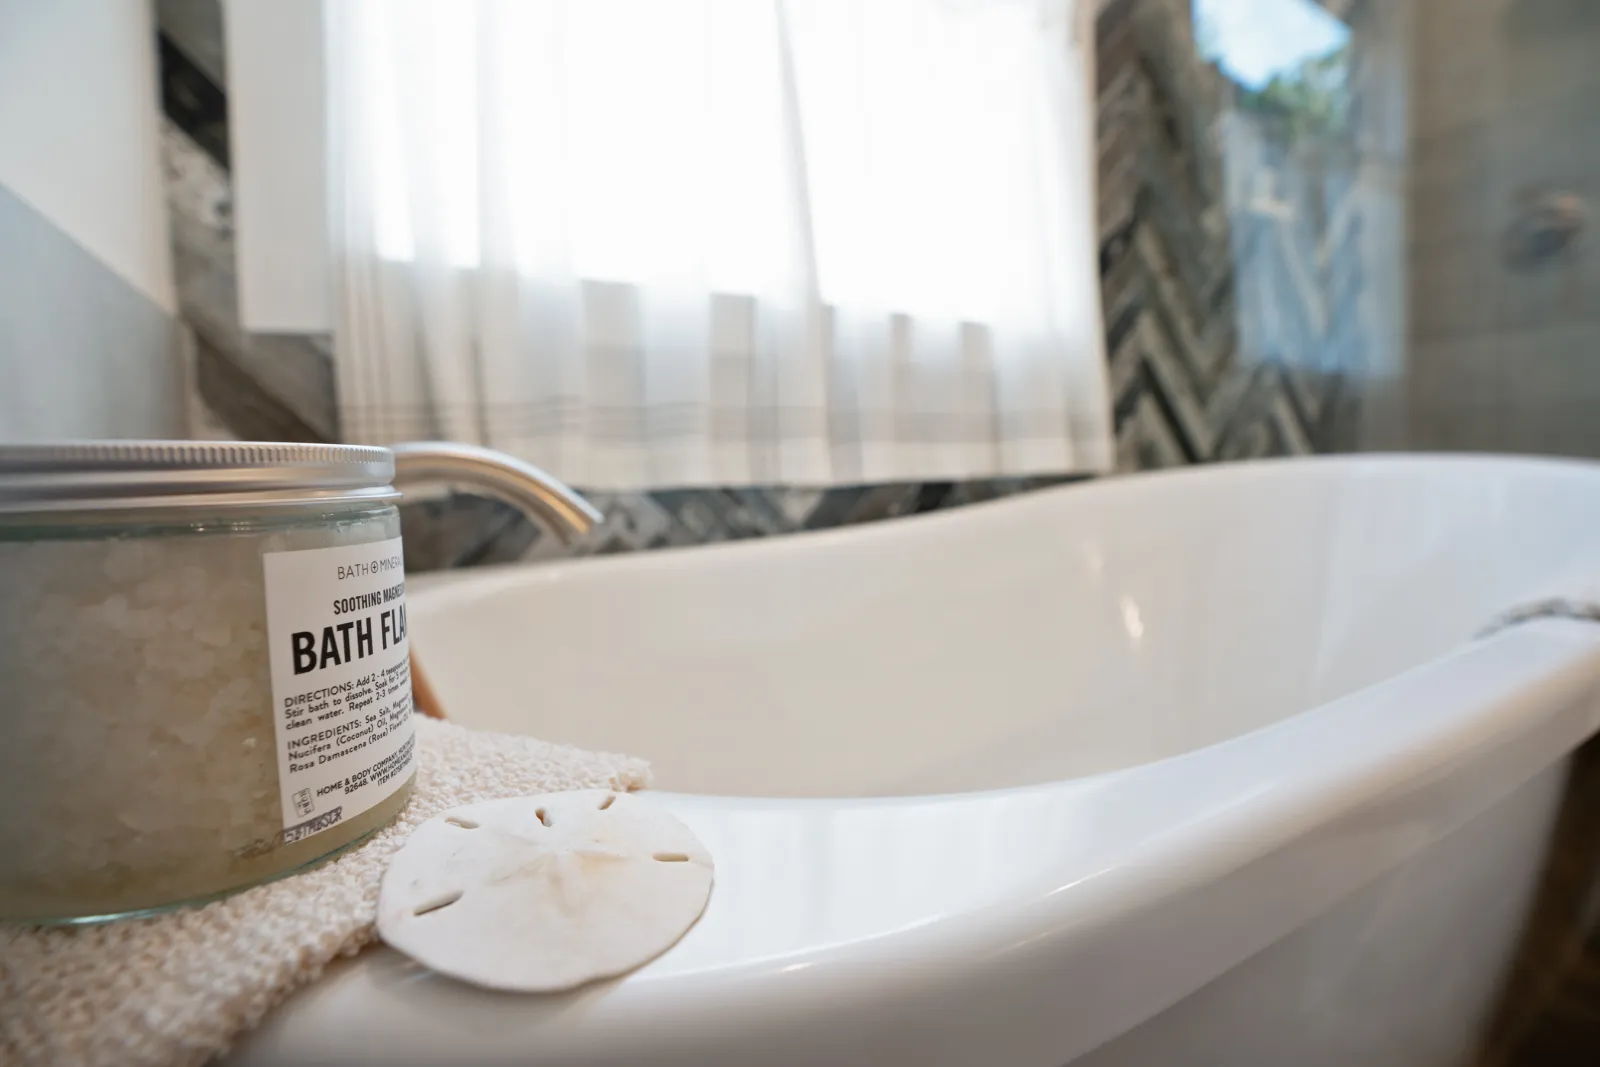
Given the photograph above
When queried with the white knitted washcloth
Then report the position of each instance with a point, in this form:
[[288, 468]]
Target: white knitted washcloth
[[1573, 593], [179, 988]]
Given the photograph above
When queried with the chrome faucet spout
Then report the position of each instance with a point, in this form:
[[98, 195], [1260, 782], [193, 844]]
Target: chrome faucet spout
[[541, 497]]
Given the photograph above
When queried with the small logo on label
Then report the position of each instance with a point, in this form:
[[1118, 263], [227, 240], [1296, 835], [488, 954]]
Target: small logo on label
[[303, 804]]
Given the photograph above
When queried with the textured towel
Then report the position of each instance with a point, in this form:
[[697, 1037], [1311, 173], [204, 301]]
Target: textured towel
[[179, 988], [1550, 608], [1574, 593]]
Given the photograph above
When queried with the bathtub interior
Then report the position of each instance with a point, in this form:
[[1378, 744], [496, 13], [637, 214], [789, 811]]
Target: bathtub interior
[[1075, 631]]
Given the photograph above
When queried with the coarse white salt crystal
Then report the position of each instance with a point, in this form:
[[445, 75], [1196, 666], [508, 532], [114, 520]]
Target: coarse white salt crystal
[[138, 758]]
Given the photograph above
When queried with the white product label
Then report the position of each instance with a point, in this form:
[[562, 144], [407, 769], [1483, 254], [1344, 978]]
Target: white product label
[[341, 681]]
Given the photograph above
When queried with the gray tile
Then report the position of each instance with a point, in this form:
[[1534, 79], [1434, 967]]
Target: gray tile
[[195, 26], [459, 529], [82, 352], [1542, 146], [1553, 366], [1458, 372], [632, 521], [289, 371], [1452, 288], [1560, 291], [1560, 427], [1462, 428], [1459, 66], [882, 502], [1550, 50], [796, 504], [1452, 189]]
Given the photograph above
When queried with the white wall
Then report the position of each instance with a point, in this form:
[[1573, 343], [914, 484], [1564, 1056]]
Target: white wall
[[79, 130], [87, 338], [83, 354], [276, 121]]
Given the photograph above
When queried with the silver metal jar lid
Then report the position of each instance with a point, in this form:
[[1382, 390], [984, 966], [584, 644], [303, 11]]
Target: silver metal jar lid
[[97, 475]]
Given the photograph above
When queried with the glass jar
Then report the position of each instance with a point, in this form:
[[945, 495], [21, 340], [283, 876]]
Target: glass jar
[[204, 671]]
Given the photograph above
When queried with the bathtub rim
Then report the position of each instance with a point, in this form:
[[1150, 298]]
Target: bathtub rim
[[1270, 813], [1086, 489], [446, 592]]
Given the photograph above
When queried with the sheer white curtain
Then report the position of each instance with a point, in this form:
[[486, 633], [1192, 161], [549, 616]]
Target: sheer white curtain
[[650, 243]]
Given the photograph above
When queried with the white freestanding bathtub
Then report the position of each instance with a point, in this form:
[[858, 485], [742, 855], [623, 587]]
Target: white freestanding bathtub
[[1197, 768]]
